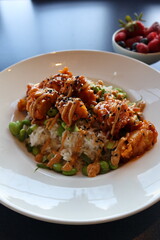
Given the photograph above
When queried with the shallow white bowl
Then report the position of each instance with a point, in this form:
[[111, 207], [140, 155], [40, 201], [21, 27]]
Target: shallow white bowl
[[52, 197], [148, 58]]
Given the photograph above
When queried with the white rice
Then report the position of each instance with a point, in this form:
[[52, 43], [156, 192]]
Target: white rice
[[69, 145], [90, 146], [38, 136]]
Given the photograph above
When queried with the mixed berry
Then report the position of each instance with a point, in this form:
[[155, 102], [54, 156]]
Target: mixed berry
[[135, 36]]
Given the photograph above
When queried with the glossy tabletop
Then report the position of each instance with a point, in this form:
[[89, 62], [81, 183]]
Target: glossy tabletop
[[29, 28]]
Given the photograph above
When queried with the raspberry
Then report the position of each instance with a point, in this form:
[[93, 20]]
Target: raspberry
[[120, 36], [154, 45], [151, 36], [130, 41], [142, 48]]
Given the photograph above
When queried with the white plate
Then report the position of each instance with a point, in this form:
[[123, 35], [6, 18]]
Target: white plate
[[51, 197]]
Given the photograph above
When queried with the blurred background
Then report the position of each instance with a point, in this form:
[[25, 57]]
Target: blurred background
[[33, 27]]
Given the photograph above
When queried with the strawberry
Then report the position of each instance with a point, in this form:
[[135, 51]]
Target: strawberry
[[151, 36], [155, 27], [142, 48], [120, 36], [133, 27], [154, 45], [130, 41]]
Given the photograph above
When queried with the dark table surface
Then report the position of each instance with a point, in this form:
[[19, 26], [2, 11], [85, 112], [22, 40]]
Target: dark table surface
[[29, 28]]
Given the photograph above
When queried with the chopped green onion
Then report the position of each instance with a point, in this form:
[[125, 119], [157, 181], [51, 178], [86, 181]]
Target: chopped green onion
[[64, 125], [60, 131], [103, 91], [110, 144], [121, 94], [52, 112], [41, 165], [84, 171], [44, 159], [75, 128], [95, 88], [51, 155]]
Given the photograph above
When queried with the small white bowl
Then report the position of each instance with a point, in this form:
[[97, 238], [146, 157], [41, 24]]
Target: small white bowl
[[148, 58]]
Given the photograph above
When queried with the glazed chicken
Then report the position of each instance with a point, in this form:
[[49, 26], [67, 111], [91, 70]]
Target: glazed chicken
[[80, 87], [135, 143], [56, 81], [112, 115], [39, 101], [71, 109], [139, 141]]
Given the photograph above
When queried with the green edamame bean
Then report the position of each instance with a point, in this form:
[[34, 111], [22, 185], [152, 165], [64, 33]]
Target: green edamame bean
[[31, 129], [29, 147], [104, 167], [85, 158], [57, 167], [35, 150], [20, 124], [22, 135], [26, 122], [72, 172], [113, 167], [15, 128]]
